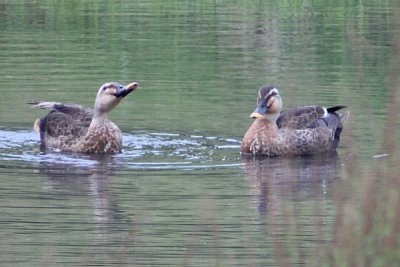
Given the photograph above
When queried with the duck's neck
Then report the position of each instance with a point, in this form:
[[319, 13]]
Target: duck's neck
[[98, 118], [272, 118], [266, 122]]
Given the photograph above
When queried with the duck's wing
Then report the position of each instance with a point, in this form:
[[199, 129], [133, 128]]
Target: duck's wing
[[305, 117], [64, 121], [70, 109], [333, 121]]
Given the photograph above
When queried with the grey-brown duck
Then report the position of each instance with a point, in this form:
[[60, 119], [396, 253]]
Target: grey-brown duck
[[299, 131], [74, 128]]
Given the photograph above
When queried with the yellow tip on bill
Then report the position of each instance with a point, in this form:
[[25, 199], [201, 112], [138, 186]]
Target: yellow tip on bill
[[132, 86], [255, 115]]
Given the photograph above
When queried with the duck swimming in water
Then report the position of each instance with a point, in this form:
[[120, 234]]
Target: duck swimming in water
[[299, 131], [74, 128]]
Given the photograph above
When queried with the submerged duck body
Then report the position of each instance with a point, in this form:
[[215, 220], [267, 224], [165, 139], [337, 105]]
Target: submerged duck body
[[299, 131], [74, 128]]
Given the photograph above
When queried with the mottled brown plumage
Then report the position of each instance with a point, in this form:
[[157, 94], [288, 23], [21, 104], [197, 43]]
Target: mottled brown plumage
[[294, 132], [74, 128]]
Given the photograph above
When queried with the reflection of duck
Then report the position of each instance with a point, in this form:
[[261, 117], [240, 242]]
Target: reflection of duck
[[294, 132], [87, 181], [273, 180], [74, 128]]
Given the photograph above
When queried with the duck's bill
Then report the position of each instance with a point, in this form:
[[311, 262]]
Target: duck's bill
[[259, 112], [126, 90], [255, 115]]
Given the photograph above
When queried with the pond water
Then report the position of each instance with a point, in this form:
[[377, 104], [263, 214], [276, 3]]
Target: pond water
[[180, 193]]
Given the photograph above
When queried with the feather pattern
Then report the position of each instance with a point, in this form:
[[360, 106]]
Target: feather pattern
[[75, 128], [298, 131]]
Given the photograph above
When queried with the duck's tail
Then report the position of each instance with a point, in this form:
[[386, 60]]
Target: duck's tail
[[40, 123], [334, 109], [43, 104], [40, 127], [36, 125], [343, 117]]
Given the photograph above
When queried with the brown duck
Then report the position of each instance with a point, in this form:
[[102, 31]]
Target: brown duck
[[299, 131], [74, 128]]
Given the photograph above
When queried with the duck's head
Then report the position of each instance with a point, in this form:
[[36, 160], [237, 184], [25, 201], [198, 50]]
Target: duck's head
[[269, 103], [110, 94]]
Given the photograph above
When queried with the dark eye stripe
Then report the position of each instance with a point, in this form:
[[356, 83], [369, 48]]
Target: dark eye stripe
[[267, 97], [266, 92]]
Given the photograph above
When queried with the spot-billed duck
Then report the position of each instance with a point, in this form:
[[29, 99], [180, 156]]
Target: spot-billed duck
[[299, 131], [74, 128]]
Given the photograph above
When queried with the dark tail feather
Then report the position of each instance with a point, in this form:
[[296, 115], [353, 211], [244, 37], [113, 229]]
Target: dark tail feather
[[334, 109], [343, 118], [42, 132], [32, 103], [336, 137]]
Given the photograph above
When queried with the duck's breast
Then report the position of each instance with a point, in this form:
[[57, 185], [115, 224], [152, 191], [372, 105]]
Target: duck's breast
[[258, 138], [104, 137]]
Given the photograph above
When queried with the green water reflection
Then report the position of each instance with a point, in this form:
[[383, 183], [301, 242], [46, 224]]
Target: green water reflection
[[199, 63]]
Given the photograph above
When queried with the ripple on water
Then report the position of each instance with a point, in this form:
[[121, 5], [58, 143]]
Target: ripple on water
[[142, 150]]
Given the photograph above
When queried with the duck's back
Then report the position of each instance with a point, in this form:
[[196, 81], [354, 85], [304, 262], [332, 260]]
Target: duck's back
[[305, 117], [68, 120], [314, 117], [64, 126]]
